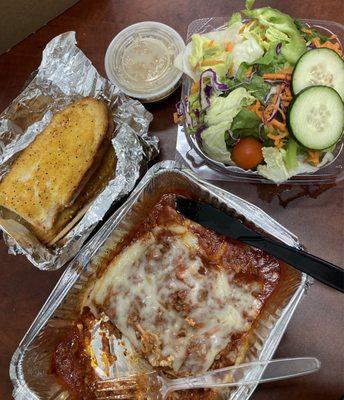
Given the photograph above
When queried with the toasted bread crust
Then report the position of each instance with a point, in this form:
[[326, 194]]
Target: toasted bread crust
[[53, 170], [70, 216]]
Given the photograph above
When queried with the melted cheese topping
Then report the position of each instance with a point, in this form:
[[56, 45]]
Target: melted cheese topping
[[175, 309]]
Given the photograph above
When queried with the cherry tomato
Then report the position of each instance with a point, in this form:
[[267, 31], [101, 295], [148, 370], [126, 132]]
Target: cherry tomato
[[247, 153]]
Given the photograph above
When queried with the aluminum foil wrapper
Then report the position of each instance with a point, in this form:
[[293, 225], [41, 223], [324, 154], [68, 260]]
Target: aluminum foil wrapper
[[64, 76], [30, 368]]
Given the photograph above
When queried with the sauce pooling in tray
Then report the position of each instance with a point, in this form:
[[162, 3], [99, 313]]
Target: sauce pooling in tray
[[184, 296]]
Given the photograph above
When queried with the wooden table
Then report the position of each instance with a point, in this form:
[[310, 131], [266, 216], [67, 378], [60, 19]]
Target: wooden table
[[317, 327]]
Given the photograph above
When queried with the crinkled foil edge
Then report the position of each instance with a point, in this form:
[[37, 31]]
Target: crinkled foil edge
[[65, 75], [77, 271]]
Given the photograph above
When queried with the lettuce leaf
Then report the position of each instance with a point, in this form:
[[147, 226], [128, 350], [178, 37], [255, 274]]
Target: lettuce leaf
[[249, 4], [234, 20], [256, 85], [247, 51], [202, 47], [271, 61], [276, 169], [274, 35], [245, 123], [226, 108], [214, 144], [207, 51], [219, 118], [293, 50], [280, 27]]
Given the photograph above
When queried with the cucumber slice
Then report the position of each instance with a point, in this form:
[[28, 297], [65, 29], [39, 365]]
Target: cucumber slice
[[319, 67], [316, 117]]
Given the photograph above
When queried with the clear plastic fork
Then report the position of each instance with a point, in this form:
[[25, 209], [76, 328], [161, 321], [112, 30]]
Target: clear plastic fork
[[152, 386]]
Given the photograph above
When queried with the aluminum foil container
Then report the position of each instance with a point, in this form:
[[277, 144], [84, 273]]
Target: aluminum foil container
[[30, 365], [66, 75]]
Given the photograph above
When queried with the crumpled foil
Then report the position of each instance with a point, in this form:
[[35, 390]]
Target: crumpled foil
[[30, 368], [66, 75]]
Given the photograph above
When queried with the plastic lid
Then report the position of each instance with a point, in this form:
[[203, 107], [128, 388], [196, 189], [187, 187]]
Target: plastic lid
[[139, 60]]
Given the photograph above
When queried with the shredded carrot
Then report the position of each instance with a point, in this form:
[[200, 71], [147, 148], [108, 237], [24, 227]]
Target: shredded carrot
[[277, 76], [316, 42], [243, 27], [329, 45], [229, 46], [286, 98], [278, 143], [249, 72], [273, 106], [314, 157], [333, 46], [286, 70], [287, 92], [282, 113], [256, 108], [269, 110], [279, 125], [176, 118], [211, 62], [194, 87], [306, 30], [280, 135], [278, 139]]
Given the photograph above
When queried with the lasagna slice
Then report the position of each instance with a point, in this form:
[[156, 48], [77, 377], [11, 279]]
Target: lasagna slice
[[184, 296]]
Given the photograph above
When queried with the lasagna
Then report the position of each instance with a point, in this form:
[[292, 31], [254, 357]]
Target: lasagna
[[53, 180], [184, 296]]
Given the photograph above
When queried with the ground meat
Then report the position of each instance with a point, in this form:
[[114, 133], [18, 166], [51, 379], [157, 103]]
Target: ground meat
[[243, 264], [70, 362], [200, 394]]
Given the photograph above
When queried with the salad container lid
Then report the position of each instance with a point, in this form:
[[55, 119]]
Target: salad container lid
[[139, 60], [189, 148]]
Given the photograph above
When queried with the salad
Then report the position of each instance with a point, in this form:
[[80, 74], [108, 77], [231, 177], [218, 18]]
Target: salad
[[267, 94]]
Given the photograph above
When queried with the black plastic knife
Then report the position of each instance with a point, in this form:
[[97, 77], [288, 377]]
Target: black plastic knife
[[220, 222]]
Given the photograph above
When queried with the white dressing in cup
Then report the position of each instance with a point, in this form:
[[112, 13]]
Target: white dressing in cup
[[139, 61]]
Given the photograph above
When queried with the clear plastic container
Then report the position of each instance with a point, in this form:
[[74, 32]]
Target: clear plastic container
[[190, 152], [139, 60]]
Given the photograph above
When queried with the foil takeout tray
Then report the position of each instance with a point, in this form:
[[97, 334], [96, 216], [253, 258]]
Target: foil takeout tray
[[30, 365], [65, 75]]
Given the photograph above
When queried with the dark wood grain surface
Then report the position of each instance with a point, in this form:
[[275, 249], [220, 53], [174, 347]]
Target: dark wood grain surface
[[317, 326]]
